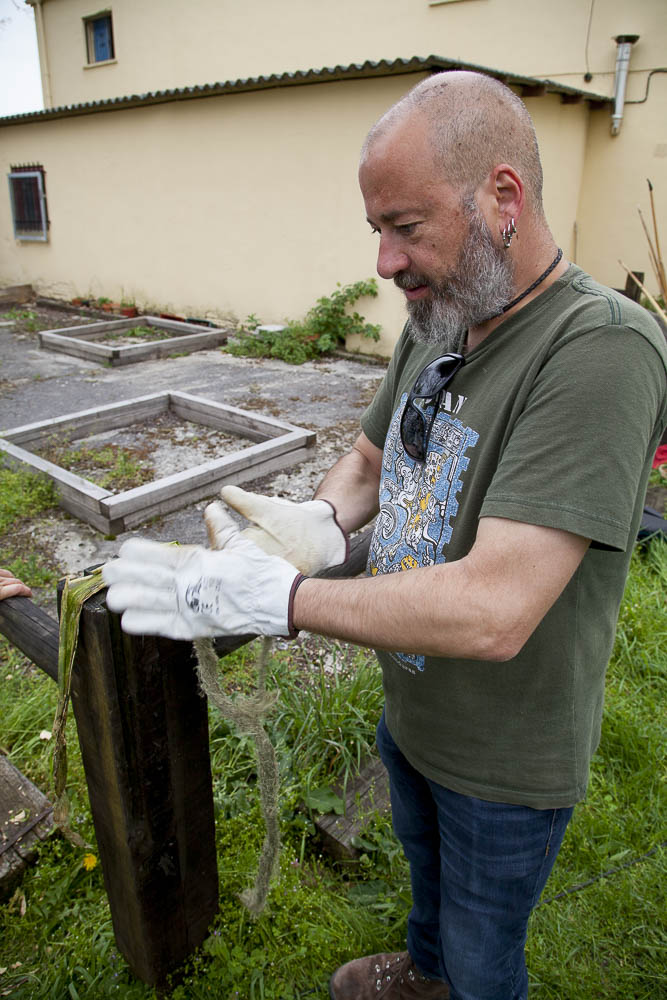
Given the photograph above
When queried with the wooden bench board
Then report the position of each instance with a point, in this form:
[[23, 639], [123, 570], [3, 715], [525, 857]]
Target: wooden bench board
[[366, 795], [19, 840]]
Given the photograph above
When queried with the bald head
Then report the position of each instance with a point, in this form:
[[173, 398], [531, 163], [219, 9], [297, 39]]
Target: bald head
[[474, 123]]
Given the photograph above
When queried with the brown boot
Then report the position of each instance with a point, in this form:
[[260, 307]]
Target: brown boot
[[384, 977]]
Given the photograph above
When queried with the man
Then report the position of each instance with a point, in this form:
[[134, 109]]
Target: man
[[508, 450]]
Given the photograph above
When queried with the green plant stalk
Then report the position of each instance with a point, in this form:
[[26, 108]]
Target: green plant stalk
[[76, 592]]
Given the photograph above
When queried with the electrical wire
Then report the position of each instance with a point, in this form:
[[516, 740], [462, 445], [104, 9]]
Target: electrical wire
[[660, 69], [589, 75]]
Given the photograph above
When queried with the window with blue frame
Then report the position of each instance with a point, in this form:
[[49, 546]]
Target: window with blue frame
[[99, 37]]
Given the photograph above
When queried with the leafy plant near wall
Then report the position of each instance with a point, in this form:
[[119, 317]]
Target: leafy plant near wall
[[325, 328], [25, 318]]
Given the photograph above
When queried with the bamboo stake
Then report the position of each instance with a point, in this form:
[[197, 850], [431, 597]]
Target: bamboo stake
[[663, 279], [651, 248], [648, 295]]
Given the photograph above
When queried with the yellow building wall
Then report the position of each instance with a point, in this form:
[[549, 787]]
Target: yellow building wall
[[615, 168], [561, 134], [589, 46], [166, 43], [310, 135], [231, 205], [614, 187]]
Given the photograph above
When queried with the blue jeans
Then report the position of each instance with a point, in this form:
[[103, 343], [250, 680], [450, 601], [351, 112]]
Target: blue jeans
[[477, 869]]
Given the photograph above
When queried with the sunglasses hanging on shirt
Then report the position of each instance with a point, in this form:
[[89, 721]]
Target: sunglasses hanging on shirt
[[416, 425]]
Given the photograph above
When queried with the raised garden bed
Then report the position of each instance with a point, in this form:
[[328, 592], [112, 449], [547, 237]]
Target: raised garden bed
[[278, 445], [88, 341]]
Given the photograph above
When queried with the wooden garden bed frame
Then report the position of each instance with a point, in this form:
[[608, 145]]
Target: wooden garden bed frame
[[278, 446], [80, 340]]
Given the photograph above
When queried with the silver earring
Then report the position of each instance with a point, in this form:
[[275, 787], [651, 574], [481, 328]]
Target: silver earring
[[508, 232]]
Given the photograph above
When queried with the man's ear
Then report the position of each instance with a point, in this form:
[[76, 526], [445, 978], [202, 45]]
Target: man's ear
[[508, 190], [501, 197]]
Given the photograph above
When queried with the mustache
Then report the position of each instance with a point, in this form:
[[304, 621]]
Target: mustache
[[410, 279]]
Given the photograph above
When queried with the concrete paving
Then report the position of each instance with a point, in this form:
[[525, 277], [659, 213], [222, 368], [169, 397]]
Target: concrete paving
[[327, 396], [36, 384]]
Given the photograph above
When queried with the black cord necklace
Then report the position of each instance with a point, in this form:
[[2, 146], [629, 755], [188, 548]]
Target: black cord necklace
[[554, 263]]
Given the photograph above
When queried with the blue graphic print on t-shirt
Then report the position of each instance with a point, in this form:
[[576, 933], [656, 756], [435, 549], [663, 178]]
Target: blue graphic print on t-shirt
[[418, 501]]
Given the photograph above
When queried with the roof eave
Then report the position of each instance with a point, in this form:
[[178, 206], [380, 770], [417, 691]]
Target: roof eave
[[530, 86]]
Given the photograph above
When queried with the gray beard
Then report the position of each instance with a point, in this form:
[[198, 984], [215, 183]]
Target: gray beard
[[479, 288]]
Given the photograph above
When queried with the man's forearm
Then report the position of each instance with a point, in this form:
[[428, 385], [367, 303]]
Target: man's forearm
[[484, 606], [351, 486], [420, 611]]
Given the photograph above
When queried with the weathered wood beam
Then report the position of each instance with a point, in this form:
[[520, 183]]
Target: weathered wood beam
[[143, 730], [31, 630]]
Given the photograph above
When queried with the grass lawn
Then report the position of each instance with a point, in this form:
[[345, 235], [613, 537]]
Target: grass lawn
[[599, 933]]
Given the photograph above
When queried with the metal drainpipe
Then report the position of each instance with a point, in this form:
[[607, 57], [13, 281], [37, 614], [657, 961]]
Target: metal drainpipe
[[43, 54], [624, 45]]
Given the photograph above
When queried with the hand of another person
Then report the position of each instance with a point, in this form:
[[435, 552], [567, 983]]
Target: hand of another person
[[306, 534], [11, 586], [188, 592]]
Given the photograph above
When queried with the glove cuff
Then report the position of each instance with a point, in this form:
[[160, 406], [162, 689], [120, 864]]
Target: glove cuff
[[342, 530], [292, 632]]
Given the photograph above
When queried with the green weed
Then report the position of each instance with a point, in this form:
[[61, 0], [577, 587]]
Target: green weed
[[140, 334], [26, 318], [23, 495], [325, 328], [112, 467]]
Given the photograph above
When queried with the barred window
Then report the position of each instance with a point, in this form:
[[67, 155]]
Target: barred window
[[27, 192]]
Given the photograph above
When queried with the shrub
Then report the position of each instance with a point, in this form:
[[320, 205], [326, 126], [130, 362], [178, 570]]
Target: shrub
[[325, 328]]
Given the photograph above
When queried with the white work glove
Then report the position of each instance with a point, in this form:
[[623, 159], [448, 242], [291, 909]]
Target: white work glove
[[188, 592], [306, 534]]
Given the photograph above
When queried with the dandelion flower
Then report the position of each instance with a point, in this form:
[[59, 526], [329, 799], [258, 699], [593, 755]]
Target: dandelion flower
[[89, 862]]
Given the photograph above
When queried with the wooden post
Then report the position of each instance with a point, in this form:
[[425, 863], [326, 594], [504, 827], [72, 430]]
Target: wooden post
[[632, 289], [143, 732]]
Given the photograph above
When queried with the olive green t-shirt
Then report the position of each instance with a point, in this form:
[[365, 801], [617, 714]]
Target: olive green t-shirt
[[552, 420]]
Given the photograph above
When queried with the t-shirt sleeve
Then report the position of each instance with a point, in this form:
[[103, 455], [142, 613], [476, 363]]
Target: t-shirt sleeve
[[577, 452]]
